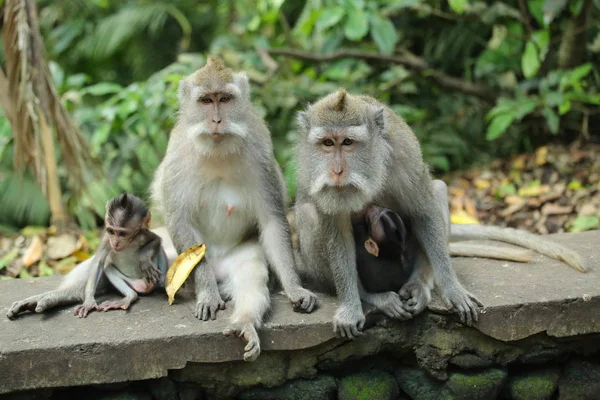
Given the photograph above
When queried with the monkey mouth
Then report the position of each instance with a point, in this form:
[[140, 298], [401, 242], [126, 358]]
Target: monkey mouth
[[218, 137]]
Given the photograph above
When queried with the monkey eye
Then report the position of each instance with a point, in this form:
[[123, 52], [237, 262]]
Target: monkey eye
[[347, 142], [328, 142], [110, 231], [224, 99], [206, 100], [122, 234]]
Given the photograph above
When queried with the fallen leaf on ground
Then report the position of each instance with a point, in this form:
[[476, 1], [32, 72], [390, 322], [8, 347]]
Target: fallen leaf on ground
[[62, 246], [555, 209], [461, 217], [34, 252], [181, 268], [66, 265]]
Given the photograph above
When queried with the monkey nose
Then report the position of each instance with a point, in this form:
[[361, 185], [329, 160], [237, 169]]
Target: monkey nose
[[217, 120]]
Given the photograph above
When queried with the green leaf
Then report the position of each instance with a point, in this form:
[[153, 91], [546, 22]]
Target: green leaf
[[383, 33], [329, 17], [530, 62], [499, 125], [585, 223], [103, 88], [356, 25], [9, 257], [541, 39], [551, 119], [458, 6], [565, 107]]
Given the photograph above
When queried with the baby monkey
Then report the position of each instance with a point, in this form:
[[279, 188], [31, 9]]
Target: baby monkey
[[130, 259]]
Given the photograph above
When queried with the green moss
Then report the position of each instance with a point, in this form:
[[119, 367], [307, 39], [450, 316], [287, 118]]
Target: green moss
[[482, 385], [372, 385]]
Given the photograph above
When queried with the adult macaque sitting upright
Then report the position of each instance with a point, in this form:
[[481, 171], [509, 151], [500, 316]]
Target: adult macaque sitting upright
[[354, 151], [219, 184]]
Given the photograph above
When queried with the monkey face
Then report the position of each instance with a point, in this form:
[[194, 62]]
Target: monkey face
[[342, 153], [119, 238], [214, 109]]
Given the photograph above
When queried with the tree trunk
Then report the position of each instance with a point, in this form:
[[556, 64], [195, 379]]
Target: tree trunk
[[572, 45]]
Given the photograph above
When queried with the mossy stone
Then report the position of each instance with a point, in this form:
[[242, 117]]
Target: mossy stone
[[580, 381], [534, 385], [321, 388], [420, 386], [371, 385], [483, 385]]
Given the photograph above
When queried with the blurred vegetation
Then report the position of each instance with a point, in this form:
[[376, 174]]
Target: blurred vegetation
[[475, 79]]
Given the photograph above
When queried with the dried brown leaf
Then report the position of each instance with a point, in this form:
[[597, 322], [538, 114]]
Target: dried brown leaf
[[34, 252]]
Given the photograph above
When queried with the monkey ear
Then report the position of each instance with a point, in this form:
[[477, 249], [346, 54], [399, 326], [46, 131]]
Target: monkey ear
[[240, 79], [377, 118], [303, 120], [183, 91], [372, 247]]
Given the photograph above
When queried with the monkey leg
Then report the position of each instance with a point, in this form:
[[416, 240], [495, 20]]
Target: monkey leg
[[42, 302], [416, 292], [247, 285], [119, 281], [70, 290]]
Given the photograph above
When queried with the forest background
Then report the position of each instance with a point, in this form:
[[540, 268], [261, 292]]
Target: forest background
[[477, 80]]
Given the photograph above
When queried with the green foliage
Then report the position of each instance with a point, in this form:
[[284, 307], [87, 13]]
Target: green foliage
[[117, 64]]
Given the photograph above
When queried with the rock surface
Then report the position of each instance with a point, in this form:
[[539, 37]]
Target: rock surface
[[522, 300]]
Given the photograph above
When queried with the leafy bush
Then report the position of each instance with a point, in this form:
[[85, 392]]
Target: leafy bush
[[474, 79]]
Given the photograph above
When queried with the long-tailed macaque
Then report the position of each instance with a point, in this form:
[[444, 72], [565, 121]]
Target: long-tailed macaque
[[354, 151], [219, 184], [384, 263], [130, 259]]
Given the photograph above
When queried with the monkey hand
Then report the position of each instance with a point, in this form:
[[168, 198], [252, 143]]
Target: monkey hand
[[391, 305], [416, 296], [464, 303], [348, 321], [84, 309], [303, 300], [207, 305], [151, 272]]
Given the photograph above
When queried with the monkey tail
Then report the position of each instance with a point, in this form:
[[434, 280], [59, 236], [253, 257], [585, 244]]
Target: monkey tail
[[459, 232], [485, 251]]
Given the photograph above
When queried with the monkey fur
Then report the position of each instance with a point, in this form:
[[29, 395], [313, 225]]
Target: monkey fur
[[130, 259], [219, 184]]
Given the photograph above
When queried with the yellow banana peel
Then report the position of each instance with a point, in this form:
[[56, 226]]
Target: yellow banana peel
[[181, 268]]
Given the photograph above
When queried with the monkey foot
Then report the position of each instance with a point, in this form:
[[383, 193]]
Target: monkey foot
[[248, 333], [303, 300], [464, 303], [84, 309], [114, 305], [19, 307], [416, 296], [391, 305], [348, 322], [207, 308]]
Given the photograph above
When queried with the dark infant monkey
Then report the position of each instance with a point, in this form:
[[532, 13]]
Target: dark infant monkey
[[130, 259], [385, 263]]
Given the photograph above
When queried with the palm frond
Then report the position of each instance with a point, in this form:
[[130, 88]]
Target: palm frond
[[37, 107], [116, 31]]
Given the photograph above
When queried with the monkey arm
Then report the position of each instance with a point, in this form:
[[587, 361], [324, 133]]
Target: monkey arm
[[149, 251], [275, 238], [96, 269], [341, 256]]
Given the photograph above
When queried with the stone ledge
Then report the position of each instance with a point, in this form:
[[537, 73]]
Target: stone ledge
[[58, 349]]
